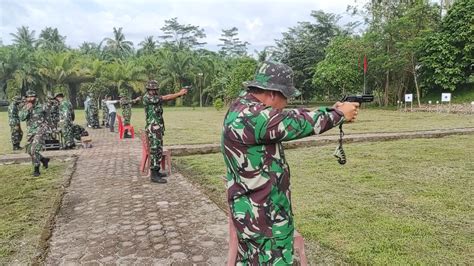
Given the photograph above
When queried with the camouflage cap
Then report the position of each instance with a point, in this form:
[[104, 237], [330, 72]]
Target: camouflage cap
[[275, 77], [30, 93], [59, 94], [152, 85]]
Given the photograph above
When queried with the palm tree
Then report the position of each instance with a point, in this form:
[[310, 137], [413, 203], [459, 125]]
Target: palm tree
[[118, 46], [50, 39], [24, 38], [148, 46], [125, 76], [176, 71]]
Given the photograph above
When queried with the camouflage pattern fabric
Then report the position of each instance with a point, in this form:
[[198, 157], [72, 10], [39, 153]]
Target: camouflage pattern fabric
[[65, 122], [14, 122], [105, 114], [53, 113], [126, 105], [78, 132], [155, 128], [93, 114], [258, 176], [37, 129]]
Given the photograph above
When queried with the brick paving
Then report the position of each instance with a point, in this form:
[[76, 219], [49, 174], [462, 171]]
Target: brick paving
[[112, 215]]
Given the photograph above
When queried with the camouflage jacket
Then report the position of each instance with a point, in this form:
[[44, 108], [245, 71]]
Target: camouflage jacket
[[65, 112], [93, 110], [125, 103], [36, 118], [154, 110], [13, 115], [258, 176], [53, 112]]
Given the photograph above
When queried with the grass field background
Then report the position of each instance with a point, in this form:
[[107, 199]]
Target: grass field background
[[25, 205], [203, 125], [398, 202]]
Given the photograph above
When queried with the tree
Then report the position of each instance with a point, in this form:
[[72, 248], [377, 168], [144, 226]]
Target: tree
[[117, 46], [148, 46], [24, 38], [51, 40], [446, 57], [302, 47], [232, 45], [181, 36]]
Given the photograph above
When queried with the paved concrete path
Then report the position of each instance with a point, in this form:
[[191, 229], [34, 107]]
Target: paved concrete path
[[112, 215]]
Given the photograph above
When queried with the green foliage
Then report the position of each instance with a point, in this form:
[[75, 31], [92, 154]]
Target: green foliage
[[232, 45], [446, 56], [218, 104]]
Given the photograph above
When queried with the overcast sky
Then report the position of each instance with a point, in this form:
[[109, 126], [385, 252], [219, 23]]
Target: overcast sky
[[260, 22]]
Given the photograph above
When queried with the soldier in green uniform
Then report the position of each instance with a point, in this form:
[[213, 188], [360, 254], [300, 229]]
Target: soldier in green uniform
[[105, 112], [36, 121], [66, 114], [126, 105], [14, 122], [155, 126], [53, 112], [258, 176], [93, 113]]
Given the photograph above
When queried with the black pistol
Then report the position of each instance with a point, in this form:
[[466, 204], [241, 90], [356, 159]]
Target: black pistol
[[365, 98]]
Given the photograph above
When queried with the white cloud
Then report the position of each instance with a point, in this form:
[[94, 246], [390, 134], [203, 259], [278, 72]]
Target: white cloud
[[259, 21]]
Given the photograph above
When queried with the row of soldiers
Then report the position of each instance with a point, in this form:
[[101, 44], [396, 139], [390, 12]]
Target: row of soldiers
[[42, 121]]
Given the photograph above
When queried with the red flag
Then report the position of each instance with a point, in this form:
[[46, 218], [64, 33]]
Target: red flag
[[365, 64]]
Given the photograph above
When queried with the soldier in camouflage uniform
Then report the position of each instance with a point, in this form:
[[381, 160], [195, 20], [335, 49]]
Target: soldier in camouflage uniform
[[258, 176], [14, 122], [36, 121], [65, 121], [126, 105], [53, 112], [93, 113], [155, 126], [105, 112]]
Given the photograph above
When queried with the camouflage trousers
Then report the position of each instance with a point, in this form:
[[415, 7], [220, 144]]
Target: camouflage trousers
[[105, 117], [35, 146], [155, 138], [67, 132], [93, 119], [127, 116], [16, 134], [272, 245]]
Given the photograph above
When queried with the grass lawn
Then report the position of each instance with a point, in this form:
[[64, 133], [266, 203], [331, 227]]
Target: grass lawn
[[25, 206], [187, 125], [399, 202]]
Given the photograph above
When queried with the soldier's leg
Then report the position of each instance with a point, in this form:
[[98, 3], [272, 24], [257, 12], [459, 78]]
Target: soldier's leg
[[33, 148], [16, 135], [68, 135], [155, 137]]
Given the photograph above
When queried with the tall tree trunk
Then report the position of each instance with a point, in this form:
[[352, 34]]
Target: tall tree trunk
[[387, 81], [418, 93], [73, 94]]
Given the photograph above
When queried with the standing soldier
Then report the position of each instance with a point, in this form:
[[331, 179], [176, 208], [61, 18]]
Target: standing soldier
[[14, 122], [87, 103], [66, 115], [155, 126], [258, 176], [53, 112], [93, 113], [35, 116], [126, 105], [105, 112]]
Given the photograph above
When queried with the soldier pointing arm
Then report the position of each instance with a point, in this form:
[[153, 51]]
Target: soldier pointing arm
[[258, 175]]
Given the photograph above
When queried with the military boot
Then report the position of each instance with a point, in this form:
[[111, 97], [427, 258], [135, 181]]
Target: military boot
[[36, 172], [45, 162], [157, 177]]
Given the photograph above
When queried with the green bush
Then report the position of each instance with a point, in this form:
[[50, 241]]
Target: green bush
[[218, 104]]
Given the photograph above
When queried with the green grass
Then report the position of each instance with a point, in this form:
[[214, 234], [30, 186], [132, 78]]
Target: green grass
[[25, 205], [187, 125], [399, 202]]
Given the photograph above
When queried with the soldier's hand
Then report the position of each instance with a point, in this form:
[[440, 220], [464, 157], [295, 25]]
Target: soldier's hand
[[349, 109], [183, 91], [29, 105]]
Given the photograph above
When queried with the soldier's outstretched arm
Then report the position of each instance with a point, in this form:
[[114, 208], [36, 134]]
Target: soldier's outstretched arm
[[173, 96], [294, 124]]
